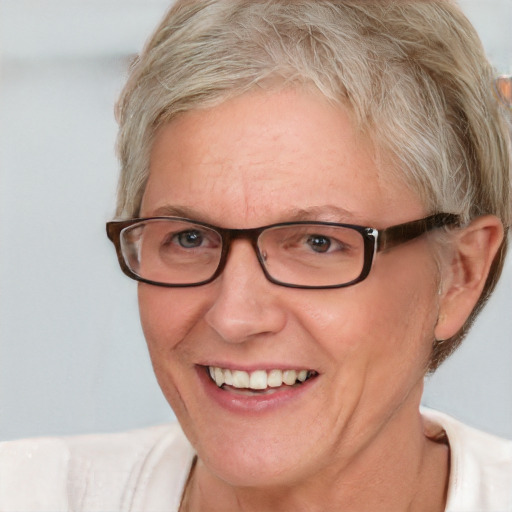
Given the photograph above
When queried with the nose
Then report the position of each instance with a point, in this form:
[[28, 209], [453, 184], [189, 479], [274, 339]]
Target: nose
[[246, 305]]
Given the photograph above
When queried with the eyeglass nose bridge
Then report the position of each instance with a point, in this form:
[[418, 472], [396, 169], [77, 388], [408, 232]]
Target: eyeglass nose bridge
[[228, 236]]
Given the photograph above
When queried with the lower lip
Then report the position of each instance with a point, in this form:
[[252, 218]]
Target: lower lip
[[256, 403]]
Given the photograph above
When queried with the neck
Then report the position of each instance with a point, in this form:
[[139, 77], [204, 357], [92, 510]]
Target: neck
[[400, 469]]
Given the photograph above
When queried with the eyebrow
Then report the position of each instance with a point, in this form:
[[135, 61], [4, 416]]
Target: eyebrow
[[324, 213], [321, 213], [178, 211]]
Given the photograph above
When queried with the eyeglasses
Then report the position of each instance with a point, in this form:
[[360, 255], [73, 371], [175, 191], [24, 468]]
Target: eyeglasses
[[177, 252]]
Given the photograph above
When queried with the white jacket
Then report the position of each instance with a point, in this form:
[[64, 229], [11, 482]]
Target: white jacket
[[145, 471]]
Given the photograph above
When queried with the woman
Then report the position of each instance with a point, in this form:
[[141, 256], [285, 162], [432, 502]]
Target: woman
[[315, 201]]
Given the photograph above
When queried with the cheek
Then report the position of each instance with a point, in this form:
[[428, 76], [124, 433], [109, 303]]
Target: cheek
[[402, 316], [167, 314], [167, 317], [389, 316]]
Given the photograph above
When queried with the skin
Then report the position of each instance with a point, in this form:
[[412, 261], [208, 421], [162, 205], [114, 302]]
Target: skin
[[354, 440]]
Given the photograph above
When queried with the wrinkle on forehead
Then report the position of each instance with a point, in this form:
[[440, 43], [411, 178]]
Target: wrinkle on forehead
[[260, 159]]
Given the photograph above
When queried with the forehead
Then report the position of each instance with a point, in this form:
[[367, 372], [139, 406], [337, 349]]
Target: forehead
[[255, 158]]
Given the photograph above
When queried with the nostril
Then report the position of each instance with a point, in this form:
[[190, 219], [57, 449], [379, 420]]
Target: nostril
[[243, 307]]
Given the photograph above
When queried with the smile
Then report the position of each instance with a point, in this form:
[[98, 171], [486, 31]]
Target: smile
[[258, 380]]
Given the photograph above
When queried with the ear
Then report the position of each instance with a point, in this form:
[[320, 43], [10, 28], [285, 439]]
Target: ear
[[464, 277]]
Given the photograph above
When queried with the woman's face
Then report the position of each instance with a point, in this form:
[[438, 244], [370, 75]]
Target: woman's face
[[259, 159]]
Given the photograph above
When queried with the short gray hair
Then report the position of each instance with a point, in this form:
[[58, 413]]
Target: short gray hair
[[413, 73]]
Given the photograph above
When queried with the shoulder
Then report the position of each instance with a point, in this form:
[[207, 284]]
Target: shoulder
[[93, 472], [481, 466]]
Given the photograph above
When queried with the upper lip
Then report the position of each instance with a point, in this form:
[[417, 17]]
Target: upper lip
[[254, 366]]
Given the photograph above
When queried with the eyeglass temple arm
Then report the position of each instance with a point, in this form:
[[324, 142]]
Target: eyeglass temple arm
[[396, 235]]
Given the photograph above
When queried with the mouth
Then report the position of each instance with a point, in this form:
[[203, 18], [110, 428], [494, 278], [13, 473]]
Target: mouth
[[258, 381]]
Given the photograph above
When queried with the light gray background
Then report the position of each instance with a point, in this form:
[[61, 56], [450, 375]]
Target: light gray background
[[72, 355]]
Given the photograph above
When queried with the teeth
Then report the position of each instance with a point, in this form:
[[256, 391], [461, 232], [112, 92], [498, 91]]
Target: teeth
[[275, 378], [259, 379], [302, 375], [240, 379], [219, 377], [289, 377], [228, 377]]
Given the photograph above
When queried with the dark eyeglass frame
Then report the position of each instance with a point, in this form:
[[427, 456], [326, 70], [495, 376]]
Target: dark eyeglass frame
[[375, 240]]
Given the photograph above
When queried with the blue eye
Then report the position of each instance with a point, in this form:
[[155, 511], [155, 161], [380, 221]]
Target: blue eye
[[189, 239], [319, 243]]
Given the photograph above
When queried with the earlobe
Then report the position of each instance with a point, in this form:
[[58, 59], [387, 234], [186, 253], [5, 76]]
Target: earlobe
[[465, 273]]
